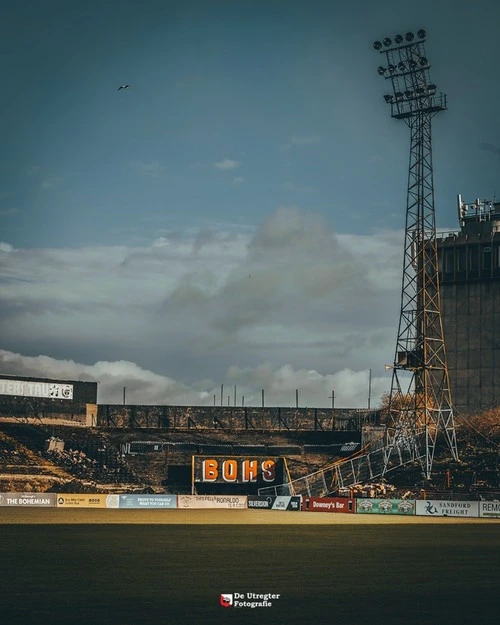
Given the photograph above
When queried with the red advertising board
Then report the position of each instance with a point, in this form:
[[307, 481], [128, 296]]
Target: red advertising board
[[328, 504]]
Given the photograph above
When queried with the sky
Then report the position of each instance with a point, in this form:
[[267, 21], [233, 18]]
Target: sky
[[236, 216]]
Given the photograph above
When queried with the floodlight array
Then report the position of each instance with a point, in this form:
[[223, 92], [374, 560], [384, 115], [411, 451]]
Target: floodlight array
[[399, 39], [408, 69]]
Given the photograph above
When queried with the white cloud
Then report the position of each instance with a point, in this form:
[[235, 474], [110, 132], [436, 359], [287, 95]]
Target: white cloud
[[145, 387], [142, 386], [238, 180], [301, 141], [188, 306], [226, 164]]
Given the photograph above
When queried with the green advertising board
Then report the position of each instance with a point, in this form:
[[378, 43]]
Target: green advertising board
[[385, 506]]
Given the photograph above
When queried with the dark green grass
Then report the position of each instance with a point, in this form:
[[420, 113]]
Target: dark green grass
[[343, 575]]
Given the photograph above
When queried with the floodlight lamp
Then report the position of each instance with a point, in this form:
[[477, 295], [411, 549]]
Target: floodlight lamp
[[388, 98], [387, 42], [401, 66], [431, 87], [398, 39], [398, 95], [420, 90], [412, 63], [408, 93], [381, 70], [409, 36], [421, 34], [423, 61], [377, 45], [391, 68]]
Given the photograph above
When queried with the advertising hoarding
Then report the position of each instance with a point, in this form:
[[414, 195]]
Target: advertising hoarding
[[328, 504], [435, 508], [25, 388], [489, 509], [148, 501], [385, 506], [45, 500], [211, 501], [238, 470], [281, 502], [87, 501]]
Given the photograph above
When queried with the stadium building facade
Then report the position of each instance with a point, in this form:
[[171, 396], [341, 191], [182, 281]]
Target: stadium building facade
[[31, 397], [469, 268]]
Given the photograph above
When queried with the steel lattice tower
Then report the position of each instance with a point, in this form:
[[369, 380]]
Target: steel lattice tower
[[420, 405]]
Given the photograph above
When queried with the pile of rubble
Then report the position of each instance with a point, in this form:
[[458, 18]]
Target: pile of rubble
[[374, 490], [79, 464]]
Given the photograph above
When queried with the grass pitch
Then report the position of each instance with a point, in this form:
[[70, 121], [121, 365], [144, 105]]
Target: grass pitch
[[340, 574]]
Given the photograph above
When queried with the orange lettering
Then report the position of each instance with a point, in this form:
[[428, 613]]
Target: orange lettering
[[230, 470], [210, 472]]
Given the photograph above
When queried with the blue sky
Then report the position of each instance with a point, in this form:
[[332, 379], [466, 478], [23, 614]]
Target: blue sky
[[238, 112]]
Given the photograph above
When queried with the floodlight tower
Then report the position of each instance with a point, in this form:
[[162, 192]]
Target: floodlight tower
[[420, 406]]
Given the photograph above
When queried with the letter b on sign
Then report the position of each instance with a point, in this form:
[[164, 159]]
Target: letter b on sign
[[209, 469]]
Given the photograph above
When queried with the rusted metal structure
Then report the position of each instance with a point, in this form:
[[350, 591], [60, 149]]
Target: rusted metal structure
[[420, 405]]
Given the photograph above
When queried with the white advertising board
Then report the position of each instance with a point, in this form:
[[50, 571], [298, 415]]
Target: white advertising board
[[435, 507], [211, 501], [489, 509], [24, 388]]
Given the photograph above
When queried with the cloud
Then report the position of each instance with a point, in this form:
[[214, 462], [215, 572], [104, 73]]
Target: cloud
[[152, 170], [145, 387], [300, 141], [191, 305], [280, 386], [142, 386], [226, 164], [238, 180]]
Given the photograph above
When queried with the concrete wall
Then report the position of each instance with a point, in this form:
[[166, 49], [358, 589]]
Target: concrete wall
[[83, 392], [50, 409], [471, 324], [81, 410], [186, 417], [470, 304]]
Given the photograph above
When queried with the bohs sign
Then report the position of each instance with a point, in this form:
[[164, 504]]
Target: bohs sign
[[238, 470]]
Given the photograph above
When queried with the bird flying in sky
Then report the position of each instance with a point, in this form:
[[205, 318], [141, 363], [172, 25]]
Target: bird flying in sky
[[123, 87]]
